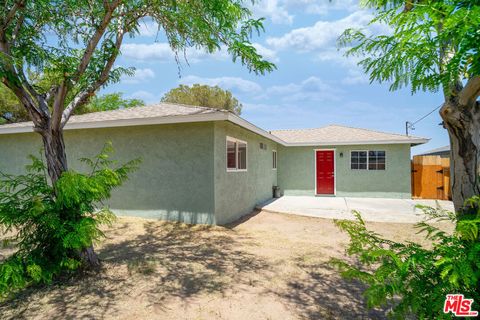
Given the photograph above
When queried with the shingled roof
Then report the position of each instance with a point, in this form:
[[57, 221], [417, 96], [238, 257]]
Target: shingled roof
[[336, 134], [163, 113], [160, 110]]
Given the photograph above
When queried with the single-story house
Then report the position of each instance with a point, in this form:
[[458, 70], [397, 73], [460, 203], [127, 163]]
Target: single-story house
[[203, 165]]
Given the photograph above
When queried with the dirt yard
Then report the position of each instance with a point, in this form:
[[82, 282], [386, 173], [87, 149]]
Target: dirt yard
[[269, 266]]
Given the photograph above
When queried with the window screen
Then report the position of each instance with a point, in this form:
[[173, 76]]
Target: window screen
[[358, 160], [231, 155], [376, 160]]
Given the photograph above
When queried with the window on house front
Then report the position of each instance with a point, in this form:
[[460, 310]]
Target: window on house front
[[274, 155], [358, 160], [376, 160], [367, 160], [236, 155]]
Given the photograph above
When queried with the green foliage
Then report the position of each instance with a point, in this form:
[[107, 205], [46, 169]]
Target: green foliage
[[11, 110], [109, 101], [412, 278], [51, 37], [428, 45], [52, 225], [205, 96]]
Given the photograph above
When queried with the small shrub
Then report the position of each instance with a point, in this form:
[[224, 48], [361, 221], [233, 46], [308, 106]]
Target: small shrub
[[52, 225], [412, 279]]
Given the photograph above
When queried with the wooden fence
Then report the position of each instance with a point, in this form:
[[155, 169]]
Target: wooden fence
[[431, 177]]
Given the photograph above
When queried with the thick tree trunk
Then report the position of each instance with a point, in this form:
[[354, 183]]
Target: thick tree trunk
[[56, 159], [463, 125], [55, 155]]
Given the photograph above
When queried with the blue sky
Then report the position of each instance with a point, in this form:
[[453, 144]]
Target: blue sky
[[314, 85]]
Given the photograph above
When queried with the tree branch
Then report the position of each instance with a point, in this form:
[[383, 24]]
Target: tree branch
[[470, 92], [58, 102], [11, 14], [93, 42], [84, 96]]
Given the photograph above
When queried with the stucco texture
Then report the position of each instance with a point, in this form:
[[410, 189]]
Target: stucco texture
[[296, 172], [237, 193], [174, 180]]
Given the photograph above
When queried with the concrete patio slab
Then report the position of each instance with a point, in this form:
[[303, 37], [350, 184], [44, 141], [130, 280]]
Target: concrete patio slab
[[372, 209]]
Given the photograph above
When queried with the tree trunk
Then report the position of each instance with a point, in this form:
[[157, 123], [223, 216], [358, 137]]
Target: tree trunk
[[56, 159], [463, 125], [55, 155]]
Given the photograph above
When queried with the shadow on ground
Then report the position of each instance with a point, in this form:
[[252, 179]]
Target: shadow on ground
[[166, 261], [160, 269], [321, 293]]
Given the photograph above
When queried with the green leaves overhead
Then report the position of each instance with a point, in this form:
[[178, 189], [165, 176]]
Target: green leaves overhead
[[52, 36], [431, 44]]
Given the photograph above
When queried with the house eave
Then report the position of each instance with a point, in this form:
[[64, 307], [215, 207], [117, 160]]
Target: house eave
[[127, 122], [412, 142], [217, 116]]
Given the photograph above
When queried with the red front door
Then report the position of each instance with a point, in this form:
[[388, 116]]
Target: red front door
[[325, 171]]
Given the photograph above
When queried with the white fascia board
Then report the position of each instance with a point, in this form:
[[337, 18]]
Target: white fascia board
[[249, 126], [217, 116], [355, 143], [127, 122]]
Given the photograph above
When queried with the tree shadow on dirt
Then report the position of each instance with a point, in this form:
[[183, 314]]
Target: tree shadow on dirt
[[167, 261], [321, 293]]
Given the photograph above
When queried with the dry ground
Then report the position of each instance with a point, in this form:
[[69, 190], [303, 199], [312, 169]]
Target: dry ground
[[268, 266]]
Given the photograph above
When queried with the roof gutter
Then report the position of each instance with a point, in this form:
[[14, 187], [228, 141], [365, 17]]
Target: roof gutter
[[216, 116]]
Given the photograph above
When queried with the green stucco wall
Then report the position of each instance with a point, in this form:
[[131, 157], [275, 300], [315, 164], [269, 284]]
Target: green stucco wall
[[175, 178], [237, 193], [296, 172], [183, 175]]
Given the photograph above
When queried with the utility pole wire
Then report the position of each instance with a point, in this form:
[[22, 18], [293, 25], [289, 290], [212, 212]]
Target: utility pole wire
[[411, 125]]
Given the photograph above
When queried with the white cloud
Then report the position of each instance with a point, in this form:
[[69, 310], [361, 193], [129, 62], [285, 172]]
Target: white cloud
[[310, 89], [322, 34], [280, 11], [275, 10], [229, 83], [147, 28], [321, 38], [355, 76], [322, 7], [162, 52], [141, 75], [269, 54]]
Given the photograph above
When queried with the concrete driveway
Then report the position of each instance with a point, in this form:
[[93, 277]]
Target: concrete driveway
[[372, 209]]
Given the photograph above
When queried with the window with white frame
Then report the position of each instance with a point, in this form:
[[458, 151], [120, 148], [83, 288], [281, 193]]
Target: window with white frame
[[367, 160], [358, 160], [376, 160], [274, 156], [236, 155]]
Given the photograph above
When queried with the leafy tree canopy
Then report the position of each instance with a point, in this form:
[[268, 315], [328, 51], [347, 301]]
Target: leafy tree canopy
[[110, 101], [205, 96], [11, 109], [430, 45]]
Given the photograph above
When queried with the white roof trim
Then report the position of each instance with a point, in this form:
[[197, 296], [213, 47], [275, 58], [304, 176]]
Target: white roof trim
[[247, 125], [413, 141], [217, 116], [128, 122]]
